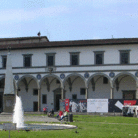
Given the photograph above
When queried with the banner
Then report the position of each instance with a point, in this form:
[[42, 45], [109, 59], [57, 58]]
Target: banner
[[97, 105], [130, 102], [67, 105], [78, 105]]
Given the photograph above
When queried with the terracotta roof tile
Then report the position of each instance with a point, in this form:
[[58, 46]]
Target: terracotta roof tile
[[75, 43]]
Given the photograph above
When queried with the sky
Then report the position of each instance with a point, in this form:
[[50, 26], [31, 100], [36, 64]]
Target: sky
[[62, 20]]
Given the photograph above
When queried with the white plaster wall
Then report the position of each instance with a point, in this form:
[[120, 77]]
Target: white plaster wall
[[50, 94], [78, 83], [62, 57], [27, 97], [101, 90], [127, 83]]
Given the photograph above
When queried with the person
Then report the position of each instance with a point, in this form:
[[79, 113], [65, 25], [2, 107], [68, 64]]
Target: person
[[135, 112], [51, 113], [45, 110], [60, 114], [64, 115]]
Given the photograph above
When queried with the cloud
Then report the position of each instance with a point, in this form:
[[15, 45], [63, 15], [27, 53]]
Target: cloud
[[22, 15]]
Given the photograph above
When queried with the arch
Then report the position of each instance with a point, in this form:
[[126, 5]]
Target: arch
[[125, 73], [15, 84], [99, 74], [51, 75], [75, 74], [30, 76]]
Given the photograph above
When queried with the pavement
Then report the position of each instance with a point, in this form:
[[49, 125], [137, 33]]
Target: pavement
[[7, 117]]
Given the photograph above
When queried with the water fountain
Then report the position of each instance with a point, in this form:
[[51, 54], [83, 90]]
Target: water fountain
[[18, 114], [18, 118]]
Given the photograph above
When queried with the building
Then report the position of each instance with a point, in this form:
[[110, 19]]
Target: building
[[45, 71]]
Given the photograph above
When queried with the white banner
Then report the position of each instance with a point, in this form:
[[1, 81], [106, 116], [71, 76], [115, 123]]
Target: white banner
[[97, 105]]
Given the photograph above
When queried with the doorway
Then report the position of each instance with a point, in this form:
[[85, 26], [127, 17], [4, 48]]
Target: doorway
[[35, 106], [1, 102], [58, 97]]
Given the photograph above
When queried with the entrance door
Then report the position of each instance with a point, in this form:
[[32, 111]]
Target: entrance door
[[35, 106], [58, 97], [1, 102]]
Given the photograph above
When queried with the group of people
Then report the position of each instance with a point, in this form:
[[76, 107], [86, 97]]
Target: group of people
[[62, 115], [50, 114]]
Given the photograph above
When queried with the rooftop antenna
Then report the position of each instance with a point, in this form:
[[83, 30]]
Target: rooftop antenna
[[112, 37]]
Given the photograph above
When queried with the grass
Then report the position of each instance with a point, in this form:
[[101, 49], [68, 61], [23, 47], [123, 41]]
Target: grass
[[87, 126]]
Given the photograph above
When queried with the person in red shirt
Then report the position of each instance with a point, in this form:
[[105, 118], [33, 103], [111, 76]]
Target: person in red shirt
[[45, 110], [60, 114]]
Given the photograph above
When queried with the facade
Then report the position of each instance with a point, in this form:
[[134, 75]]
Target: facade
[[44, 71]]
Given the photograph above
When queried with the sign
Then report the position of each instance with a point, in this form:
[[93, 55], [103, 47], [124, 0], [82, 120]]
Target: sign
[[79, 105], [130, 102], [9, 126], [67, 105], [97, 105]]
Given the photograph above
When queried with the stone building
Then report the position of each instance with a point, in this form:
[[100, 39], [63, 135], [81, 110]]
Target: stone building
[[45, 71]]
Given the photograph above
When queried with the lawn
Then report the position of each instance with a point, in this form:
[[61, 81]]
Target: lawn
[[87, 126]]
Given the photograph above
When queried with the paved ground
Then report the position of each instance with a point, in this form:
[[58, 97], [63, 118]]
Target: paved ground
[[8, 118]]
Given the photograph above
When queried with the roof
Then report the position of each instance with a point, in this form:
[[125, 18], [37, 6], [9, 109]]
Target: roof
[[74, 43], [22, 38]]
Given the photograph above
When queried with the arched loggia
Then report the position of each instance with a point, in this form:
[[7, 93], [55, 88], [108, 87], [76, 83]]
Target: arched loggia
[[70, 81], [125, 84], [28, 88], [52, 87], [98, 79], [27, 83]]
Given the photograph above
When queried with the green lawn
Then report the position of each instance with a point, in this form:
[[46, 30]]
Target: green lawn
[[87, 126]]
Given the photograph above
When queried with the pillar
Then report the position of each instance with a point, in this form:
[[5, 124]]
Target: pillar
[[86, 93], [137, 93], [62, 94], [39, 100], [111, 93]]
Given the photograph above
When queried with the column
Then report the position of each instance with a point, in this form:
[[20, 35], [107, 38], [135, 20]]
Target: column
[[111, 93], [137, 93], [62, 94], [16, 91], [86, 93], [39, 100]]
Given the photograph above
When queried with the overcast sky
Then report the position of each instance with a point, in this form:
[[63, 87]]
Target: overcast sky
[[61, 20]]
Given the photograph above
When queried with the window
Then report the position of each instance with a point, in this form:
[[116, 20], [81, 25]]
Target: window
[[105, 80], [74, 58], [74, 96], [82, 91], [35, 92], [27, 60], [4, 59], [44, 99], [124, 56], [50, 59], [99, 57], [129, 95]]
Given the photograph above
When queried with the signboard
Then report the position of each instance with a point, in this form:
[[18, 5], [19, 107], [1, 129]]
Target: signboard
[[62, 105], [67, 105], [97, 105], [130, 102], [79, 105], [9, 126]]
